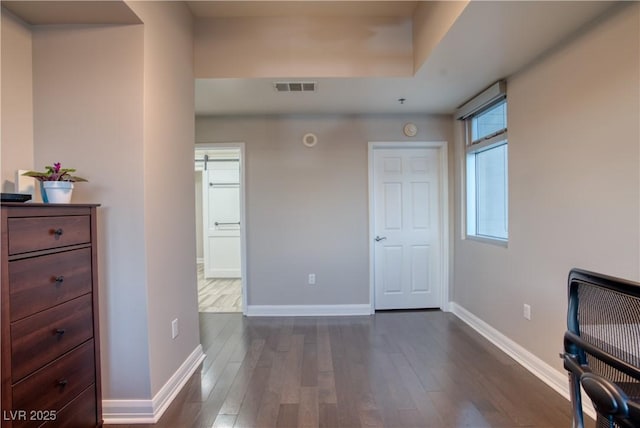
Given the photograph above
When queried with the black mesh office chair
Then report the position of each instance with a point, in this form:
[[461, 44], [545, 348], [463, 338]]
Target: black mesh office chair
[[602, 348]]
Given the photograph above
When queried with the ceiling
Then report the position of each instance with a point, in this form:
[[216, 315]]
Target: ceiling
[[218, 9], [72, 12], [489, 41]]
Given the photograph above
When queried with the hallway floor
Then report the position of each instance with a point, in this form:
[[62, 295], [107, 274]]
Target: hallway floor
[[393, 369]]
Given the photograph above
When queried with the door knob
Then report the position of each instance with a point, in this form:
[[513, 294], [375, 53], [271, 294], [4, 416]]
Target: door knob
[[380, 238]]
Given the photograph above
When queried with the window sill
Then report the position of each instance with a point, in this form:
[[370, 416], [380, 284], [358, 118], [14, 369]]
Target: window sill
[[493, 241]]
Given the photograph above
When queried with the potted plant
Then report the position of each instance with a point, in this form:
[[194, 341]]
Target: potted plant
[[56, 183]]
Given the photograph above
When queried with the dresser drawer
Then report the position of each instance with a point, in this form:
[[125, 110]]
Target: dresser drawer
[[80, 413], [55, 385], [40, 233], [41, 282], [43, 337]]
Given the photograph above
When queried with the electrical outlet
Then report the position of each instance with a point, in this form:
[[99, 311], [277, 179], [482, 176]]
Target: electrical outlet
[[526, 311], [312, 279], [174, 328]]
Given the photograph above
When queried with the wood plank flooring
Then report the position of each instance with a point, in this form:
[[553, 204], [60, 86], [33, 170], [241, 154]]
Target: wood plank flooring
[[394, 369]]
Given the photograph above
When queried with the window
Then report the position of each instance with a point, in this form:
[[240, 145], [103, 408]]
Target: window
[[486, 161], [487, 185]]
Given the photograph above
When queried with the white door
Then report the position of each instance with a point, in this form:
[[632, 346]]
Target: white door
[[406, 221], [221, 215]]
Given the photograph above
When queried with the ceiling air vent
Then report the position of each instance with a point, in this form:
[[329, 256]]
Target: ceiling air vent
[[295, 86]]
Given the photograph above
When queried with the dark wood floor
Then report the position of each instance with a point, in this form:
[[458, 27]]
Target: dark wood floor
[[394, 369]]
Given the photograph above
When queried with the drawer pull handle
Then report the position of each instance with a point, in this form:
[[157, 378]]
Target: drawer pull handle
[[59, 279], [60, 331], [62, 383], [58, 232]]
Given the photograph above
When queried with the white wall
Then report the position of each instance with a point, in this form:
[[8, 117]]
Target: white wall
[[88, 105], [169, 204], [117, 103], [17, 99], [307, 208], [574, 185]]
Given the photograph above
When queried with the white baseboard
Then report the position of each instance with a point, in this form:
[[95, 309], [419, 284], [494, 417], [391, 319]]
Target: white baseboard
[[224, 274], [124, 412], [307, 310], [557, 380], [150, 411]]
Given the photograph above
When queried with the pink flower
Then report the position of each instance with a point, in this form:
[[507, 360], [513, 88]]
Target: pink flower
[[55, 173]]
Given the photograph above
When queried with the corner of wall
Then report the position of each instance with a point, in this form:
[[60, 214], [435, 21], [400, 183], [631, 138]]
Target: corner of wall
[[17, 99]]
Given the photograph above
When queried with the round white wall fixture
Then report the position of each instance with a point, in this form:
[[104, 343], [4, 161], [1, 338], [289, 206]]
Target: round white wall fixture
[[310, 139], [410, 129]]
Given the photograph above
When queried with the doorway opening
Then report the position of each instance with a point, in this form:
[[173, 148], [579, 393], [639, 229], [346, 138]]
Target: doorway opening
[[220, 237]]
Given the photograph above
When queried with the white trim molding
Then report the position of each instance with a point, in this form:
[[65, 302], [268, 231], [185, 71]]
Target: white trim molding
[[557, 380], [150, 411], [307, 310]]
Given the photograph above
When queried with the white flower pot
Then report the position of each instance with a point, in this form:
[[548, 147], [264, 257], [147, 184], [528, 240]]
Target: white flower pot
[[58, 192]]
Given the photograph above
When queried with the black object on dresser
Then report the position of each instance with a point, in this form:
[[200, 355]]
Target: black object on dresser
[[50, 340], [15, 197]]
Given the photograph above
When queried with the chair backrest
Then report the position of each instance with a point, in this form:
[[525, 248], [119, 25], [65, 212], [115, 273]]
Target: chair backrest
[[604, 336]]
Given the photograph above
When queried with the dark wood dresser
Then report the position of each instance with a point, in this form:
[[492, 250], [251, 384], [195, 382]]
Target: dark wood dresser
[[49, 311]]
